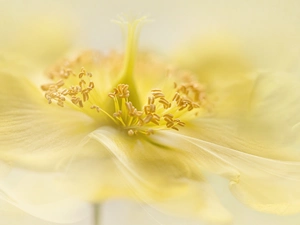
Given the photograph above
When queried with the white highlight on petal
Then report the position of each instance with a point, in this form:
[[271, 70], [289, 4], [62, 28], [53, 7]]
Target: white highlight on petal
[[37, 195]]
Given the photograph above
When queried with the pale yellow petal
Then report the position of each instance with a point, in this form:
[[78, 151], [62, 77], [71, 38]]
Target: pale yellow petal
[[275, 99], [255, 136], [215, 58], [264, 184], [272, 118], [161, 176], [93, 175], [149, 171], [34, 133], [218, 63]]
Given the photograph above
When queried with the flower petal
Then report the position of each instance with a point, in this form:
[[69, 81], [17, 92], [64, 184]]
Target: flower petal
[[219, 65], [33, 133], [158, 174], [276, 99], [37, 195], [264, 184], [251, 135], [93, 175], [198, 201]]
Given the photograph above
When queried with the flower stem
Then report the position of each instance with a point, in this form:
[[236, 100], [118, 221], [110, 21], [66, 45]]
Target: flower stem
[[96, 212]]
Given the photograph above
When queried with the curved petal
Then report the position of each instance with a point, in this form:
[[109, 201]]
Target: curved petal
[[218, 63], [276, 99], [33, 133], [157, 174], [264, 184], [251, 135], [93, 175]]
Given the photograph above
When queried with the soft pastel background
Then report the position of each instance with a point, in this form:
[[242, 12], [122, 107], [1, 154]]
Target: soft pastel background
[[267, 32]]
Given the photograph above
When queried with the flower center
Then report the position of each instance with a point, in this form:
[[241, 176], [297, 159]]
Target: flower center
[[168, 107], [160, 112]]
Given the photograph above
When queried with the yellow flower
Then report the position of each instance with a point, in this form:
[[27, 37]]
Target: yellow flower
[[134, 126]]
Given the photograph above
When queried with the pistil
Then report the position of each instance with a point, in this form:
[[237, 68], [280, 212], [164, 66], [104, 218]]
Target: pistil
[[127, 73]]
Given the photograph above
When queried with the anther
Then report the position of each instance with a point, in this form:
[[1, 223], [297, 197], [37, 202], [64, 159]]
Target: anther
[[149, 131], [91, 84], [130, 132], [150, 100], [117, 114], [95, 107], [176, 97], [81, 83], [60, 103], [168, 115], [175, 128], [158, 95], [165, 103], [148, 118]]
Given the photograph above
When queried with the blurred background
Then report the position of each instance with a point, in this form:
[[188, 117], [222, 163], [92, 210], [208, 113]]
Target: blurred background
[[267, 30], [264, 32]]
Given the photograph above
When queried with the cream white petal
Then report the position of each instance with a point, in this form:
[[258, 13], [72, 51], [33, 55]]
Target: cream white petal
[[199, 201], [264, 184], [36, 194], [12, 215]]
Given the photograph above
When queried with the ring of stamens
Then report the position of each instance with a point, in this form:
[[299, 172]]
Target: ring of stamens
[[77, 94]]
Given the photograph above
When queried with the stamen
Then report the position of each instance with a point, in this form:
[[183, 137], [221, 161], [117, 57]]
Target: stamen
[[151, 100], [149, 120], [165, 103], [101, 110], [95, 107], [77, 94], [176, 97]]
